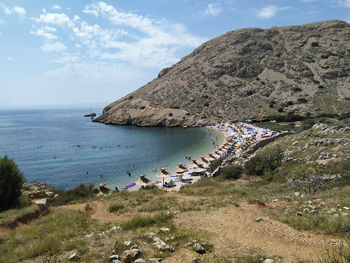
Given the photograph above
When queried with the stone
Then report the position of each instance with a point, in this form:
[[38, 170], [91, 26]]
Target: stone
[[140, 260], [346, 208], [164, 230], [155, 260], [171, 249], [275, 200], [42, 204], [114, 257], [297, 194], [299, 214], [130, 256], [149, 235], [196, 260], [74, 257], [160, 244], [188, 245], [135, 247], [89, 235], [199, 248], [259, 219], [295, 143], [268, 260], [127, 243]]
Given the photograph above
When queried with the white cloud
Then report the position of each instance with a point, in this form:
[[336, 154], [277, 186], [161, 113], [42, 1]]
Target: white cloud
[[54, 47], [6, 10], [41, 32], [10, 59], [270, 11], [56, 7], [212, 9], [19, 10], [154, 44], [54, 19], [123, 37]]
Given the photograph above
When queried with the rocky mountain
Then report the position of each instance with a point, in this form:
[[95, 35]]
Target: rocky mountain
[[247, 73]]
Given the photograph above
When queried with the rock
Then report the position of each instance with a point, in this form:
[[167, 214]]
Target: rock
[[199, 248], [112, 258], [74, 257], [127, 243], [196, 260], [130, 256], [89, 235], [259, 219], [299, 214], [155, 260], [171, 249], [275, 200], [160, 244], [135, 247], [295, 143], [346, 208], [164, 230], [139, 260], [268, 260], [42, 204], [297, 194], [188, 245], [149, 235]]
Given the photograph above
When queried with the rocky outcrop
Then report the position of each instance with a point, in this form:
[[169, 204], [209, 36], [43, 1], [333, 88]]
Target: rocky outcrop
[[247, 73]]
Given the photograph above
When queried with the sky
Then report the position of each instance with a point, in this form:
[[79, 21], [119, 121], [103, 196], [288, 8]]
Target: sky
[[74, 52]]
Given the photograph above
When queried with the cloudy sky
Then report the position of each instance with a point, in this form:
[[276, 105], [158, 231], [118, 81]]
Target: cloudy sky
[[82, 51]]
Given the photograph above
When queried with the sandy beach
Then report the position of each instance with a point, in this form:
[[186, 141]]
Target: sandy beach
[[236, 136]]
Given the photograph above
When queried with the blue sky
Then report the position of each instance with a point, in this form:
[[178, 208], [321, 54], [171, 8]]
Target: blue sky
[[81, 51]]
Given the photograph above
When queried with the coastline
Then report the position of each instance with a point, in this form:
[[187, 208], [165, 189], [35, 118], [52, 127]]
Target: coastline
[[235, 137]]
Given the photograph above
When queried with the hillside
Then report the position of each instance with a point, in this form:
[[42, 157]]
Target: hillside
[[247, 73], [290, 204]]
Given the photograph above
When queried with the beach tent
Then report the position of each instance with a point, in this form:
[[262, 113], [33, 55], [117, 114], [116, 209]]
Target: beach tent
[[143, 181]]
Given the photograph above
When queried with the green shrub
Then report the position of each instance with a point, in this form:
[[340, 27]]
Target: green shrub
[[115, 207], [216, 163], [232, 172], [11, 181], [79, 193], [264, 162]]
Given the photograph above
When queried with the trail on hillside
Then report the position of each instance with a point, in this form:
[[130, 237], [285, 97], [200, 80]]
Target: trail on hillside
[[235, 232], [99, 211]]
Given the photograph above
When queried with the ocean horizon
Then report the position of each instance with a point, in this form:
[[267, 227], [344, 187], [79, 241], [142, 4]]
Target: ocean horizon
[[61, 147]]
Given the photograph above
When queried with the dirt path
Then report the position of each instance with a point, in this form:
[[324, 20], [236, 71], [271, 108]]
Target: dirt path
[[235, 231], [99, 212]]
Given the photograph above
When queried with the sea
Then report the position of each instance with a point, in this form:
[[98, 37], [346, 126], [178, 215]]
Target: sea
[[65, 149]]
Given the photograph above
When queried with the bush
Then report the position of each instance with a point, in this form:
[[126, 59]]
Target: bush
[[81, 192], [232, 172], [11, 181], [115, 207], [216, 163], [264, 162]]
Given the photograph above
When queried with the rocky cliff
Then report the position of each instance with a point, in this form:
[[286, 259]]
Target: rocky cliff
[[247, 73]]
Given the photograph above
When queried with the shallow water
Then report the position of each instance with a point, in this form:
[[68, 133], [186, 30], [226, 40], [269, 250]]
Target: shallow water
[[65, 149]]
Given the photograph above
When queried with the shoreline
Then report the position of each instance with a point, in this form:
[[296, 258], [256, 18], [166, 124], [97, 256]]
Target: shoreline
[[235, 137]]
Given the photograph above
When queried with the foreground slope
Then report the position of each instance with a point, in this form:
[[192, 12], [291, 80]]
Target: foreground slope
[[247, 73]]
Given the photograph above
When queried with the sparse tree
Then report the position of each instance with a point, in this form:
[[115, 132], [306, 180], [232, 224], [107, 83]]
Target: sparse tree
[[11, 181]]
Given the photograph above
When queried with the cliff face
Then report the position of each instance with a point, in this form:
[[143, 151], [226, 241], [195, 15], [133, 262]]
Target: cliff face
[[247, 73]]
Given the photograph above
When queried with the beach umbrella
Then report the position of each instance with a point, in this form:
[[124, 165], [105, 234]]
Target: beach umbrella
[[143, 181], [162, 174], [129, 185]]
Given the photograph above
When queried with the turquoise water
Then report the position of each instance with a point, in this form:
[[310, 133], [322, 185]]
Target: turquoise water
[[65, 149]]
